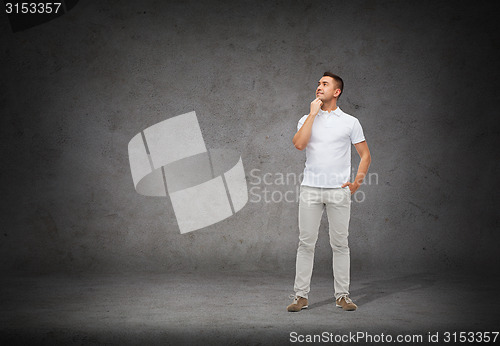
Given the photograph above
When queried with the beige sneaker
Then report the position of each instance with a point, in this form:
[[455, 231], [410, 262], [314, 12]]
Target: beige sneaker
[[345, 303], [298, 304]]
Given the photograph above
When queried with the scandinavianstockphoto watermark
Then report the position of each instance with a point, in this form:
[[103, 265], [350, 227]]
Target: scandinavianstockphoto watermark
[[279, 187]]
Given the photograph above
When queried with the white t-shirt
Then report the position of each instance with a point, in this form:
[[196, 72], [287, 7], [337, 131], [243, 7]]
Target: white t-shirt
[[328, 153]]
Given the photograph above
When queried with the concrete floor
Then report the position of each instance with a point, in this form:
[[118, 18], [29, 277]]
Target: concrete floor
[[235, 308]]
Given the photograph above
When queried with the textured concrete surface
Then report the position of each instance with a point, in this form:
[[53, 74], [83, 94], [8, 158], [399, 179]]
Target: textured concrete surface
[[84, 259], [237, 308], [420, 77]]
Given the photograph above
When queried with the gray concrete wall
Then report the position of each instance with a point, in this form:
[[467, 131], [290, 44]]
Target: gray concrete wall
[[420, 77]]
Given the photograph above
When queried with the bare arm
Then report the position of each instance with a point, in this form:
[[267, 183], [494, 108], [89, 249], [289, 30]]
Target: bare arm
[[366, 159], [303, 135]]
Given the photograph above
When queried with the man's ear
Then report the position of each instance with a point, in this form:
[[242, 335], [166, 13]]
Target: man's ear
[[337, 93]]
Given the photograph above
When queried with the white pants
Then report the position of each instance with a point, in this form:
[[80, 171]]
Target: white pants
[[338, 208]]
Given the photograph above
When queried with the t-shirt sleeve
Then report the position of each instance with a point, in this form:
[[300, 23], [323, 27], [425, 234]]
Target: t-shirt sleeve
[[357, 134], [301, 122]]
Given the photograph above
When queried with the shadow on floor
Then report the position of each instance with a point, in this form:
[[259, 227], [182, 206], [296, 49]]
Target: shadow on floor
[[380, 288]]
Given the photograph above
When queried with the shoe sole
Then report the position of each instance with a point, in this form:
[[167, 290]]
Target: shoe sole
[[340, 306], [304, 307]]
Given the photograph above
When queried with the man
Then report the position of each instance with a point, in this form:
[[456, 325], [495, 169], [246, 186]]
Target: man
[[327, 133]]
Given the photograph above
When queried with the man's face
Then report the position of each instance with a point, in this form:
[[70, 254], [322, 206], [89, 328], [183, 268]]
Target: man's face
[[327, 89]]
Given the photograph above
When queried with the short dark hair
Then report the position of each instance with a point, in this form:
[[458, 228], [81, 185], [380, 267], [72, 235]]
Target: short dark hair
[[337, 79]]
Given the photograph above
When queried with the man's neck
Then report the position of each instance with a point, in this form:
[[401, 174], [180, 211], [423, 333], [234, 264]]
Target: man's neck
[[328, 107]]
